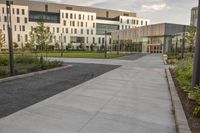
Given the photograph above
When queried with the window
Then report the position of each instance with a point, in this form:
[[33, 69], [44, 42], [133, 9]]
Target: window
[[58, 30], [85, 24], [66, 30], [17, 11], [91, 32], [81, 24], [101, 28], [4, 28], [81, 31], [71, 16], [46, 8], [25, 20], [75, 31], [79, 16], [88, 17], [3, 10], [15, 27], [121, 20], [88, 32], [23, 12], [62, 15], [99, 40], [146, 22], [18, 37], [141, 22], [65, 40], [5, 19], [23, 28], [92, 18], [66, 15], [18, 20], [26, 38], [74, 16], [13, 10], [64, 22], [127, 21], [107, 14], [93, 25], [93, 39]]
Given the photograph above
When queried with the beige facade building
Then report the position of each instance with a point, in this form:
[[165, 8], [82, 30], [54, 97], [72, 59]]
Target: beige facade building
[[68, 23]]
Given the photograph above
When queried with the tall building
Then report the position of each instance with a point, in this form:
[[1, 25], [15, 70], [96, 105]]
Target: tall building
[[68, 23], [194, 16]]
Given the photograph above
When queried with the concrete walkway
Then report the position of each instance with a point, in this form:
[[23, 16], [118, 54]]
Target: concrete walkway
[[131, 99]]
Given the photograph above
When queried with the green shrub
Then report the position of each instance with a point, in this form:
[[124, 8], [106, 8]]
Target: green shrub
[[4, 61], [26, 59], [183, 73], [4, 72], [21, 71], [197, 111]]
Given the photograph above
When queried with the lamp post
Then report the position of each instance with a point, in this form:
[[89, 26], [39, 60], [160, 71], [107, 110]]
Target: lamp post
[[61, 38], [105, 48], [183, 43], [118, 46], [22, 42], [196, 66], [9, 28]]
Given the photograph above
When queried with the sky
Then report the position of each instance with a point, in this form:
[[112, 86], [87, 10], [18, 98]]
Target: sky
[[158, 11]]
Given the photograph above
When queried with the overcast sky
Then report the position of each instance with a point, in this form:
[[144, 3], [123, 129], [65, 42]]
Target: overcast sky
[[174, 11]]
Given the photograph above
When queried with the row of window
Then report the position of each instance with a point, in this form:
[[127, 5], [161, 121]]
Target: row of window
[[135, 22], [20, 38], [77, 16], [81, 24], [21, 27], [72, 31], [17, 18], [16, 11]]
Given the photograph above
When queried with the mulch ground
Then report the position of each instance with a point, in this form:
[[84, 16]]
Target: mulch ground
[[188, 106]]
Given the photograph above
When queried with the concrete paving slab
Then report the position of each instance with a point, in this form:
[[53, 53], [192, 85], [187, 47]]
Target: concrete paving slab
[[133, 98]]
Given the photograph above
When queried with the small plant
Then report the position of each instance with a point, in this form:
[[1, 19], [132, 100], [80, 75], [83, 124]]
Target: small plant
[[4, 61], [4, 72], [197, 111]]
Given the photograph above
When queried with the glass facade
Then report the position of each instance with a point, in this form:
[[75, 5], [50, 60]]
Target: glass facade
[[101, 28], [44, 17]]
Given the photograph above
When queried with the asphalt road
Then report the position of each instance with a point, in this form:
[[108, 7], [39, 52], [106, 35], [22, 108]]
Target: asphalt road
[[132, 57], [18, 94]]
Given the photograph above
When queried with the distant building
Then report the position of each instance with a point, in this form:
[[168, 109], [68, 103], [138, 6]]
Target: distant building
[[68, 23], [194, 16], [156, 38]]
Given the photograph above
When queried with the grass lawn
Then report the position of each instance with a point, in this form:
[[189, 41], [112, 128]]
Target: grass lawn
[[82, 54]]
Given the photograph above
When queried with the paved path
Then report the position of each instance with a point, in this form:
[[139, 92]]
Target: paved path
[[131, 99]]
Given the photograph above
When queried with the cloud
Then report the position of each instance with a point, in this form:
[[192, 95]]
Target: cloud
[[154, 7]]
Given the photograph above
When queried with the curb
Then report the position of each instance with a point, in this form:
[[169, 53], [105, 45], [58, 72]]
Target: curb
[[33, 73], [180, 118]]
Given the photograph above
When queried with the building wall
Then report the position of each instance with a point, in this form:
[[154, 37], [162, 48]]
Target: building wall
[[72, 24], [151, 35]]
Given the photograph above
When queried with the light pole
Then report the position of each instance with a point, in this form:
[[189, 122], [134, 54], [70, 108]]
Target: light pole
[[118, 45], [22, 45], [105, 48], [9, 27], [61, 44], [183, 43], [196, 66]]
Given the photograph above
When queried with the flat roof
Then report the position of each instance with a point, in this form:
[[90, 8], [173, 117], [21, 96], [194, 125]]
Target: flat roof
[[55, 7]]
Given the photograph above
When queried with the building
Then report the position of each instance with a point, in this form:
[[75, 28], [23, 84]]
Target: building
[[156, 38], [68, 23], [194, 16]]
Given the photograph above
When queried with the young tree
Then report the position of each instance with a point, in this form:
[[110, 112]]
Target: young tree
[[41, 35], [15, 45], [191, 36], [57, 45], [1, 39]]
